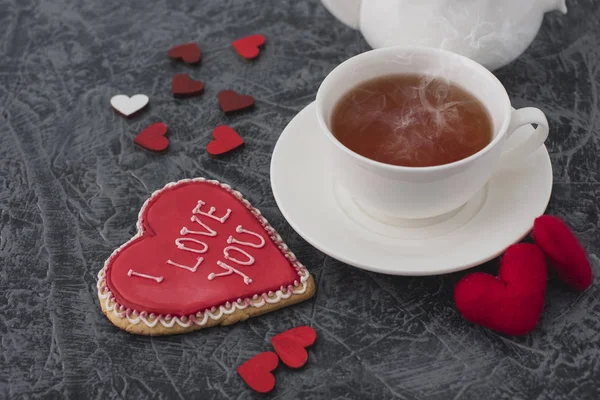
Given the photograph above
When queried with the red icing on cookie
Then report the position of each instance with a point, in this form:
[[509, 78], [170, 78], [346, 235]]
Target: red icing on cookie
[[199, 246]]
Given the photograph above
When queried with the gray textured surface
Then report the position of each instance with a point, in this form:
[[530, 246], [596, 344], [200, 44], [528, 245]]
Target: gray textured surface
[[72, 181]]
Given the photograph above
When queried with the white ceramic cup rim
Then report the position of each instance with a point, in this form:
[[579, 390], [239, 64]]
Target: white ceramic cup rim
[[466, 62]]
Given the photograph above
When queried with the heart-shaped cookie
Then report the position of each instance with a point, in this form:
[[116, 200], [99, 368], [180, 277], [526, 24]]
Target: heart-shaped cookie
[[203, 256], [188, 52], [153, 137], [226, 139], [512, 302], [182, 85], [249, 46], [567, 256], [128, 106], [291, 345], [230, 101], [257, 371]]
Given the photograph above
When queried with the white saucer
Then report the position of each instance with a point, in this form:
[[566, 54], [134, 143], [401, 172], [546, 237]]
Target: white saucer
[[326, 217]]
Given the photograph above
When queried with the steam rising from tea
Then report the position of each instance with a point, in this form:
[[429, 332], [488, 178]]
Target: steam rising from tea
[[412, 121]]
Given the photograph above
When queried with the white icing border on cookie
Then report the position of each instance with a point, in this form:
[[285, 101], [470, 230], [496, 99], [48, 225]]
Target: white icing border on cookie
[[215, 313]]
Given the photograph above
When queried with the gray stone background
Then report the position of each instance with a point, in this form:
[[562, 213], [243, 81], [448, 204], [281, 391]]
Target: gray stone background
[[72, 181]]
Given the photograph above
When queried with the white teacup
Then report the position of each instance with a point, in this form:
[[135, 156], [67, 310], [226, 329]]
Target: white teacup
[[393, 193]]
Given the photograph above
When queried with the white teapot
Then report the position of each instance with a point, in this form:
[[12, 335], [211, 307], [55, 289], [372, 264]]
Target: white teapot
[[491, 32]]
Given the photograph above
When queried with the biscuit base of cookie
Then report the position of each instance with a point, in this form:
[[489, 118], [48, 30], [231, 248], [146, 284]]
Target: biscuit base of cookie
[[227, 319]]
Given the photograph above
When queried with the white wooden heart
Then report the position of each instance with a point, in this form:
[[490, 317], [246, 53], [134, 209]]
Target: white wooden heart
[[126, 105]]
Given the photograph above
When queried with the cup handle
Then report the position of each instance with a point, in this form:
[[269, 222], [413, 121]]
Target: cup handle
[[524, 145]]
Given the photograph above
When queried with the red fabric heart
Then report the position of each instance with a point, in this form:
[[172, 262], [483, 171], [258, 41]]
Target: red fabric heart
[[291, 345], [257, 371], [153, 137], [200, 246], [567, 255], [189, 53], [248, 47], [183, 85], [512, 302], [226, 139], [230, 101]]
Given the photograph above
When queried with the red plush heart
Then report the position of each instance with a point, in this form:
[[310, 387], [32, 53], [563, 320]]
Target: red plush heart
[[257, 371], [566, 254], [184, 86], [248, 47], [153, 137], [189, 53], [226, 139], [230, 101], [200, 246], [512, 302], [291, 344]]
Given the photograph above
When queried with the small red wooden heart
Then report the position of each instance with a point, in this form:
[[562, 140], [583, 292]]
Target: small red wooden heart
[[189, 53], [248, 47], [226, 139], [153, 137], [567, 256], [230, 101], [257, 371], [291, 345], [184, 86], [512, 302]]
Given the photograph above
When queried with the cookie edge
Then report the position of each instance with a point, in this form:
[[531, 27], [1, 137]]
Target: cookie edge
[[225, 320]]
